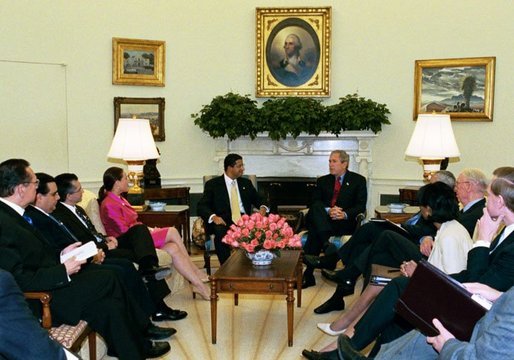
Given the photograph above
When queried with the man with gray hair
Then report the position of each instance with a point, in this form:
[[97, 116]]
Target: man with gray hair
[[470, 188]]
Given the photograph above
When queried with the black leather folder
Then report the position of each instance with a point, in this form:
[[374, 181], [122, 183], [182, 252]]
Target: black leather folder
[[433, 294]]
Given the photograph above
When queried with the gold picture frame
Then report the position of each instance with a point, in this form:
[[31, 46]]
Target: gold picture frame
[[142, 108], [464, 88], [138, 62], [293, 51]]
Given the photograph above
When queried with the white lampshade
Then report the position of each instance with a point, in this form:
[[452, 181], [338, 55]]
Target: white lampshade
[[133, 141], [433, 138]]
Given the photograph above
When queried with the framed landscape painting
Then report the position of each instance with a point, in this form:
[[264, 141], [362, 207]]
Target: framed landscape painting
[[464, 88], [142, 108], [293, 51], [138, 62]]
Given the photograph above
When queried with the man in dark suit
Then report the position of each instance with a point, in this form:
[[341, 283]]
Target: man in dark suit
[[60, 237], [93, 294], [490, 262], [135, 245], [224, 199], [470, 188], [22, 336], [337, 200]]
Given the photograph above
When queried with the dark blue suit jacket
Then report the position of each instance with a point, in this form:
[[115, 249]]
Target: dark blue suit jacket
[[21, 335]]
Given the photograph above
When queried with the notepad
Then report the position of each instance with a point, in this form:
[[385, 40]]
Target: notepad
[[81, 253]]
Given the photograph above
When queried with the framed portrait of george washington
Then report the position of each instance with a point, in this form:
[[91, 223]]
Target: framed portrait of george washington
[[293, 51], [464, 88], [138, 62]]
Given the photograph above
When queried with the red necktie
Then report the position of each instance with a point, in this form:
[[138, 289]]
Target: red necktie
[[337, 188]]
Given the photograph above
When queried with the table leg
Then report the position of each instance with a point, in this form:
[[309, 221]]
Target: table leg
[[290, 312], [236, 299], [299, 276], [214, 309]]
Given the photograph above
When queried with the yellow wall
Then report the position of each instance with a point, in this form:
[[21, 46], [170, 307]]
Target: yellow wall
[[210, 48]]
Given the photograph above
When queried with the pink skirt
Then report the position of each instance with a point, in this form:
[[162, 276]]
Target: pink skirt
[[159, 237]]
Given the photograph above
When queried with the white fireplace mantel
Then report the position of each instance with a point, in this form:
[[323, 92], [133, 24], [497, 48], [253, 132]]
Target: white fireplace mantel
[[305, 156]]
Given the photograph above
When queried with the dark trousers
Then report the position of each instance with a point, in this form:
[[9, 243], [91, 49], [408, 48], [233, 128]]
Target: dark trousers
[[133, 283], [222, 249], [137, 245], [380, 320], [321, 227], [98, 296]]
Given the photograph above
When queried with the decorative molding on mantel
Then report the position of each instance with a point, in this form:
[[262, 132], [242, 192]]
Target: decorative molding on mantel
[[307, 155]]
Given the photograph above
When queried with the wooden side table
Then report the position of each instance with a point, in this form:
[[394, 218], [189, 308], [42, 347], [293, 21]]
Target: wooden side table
[[174, 215], [238, 276], [382, 212]]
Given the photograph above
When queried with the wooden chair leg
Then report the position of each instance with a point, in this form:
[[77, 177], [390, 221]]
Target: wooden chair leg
[[92, 345]]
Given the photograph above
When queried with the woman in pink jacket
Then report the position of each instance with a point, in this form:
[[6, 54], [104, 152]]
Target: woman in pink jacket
[[118, 216]]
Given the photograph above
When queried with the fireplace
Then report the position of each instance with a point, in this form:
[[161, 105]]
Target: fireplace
[[294, 192]]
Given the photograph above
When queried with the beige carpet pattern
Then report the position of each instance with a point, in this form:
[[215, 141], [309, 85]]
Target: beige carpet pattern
[[255, 329]]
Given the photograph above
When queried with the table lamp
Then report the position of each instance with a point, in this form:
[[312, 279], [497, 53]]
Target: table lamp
[[133, 142], [432, 141]]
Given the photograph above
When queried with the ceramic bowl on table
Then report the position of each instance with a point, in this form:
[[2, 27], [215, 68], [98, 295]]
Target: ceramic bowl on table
[[157, 206], [396, 208]]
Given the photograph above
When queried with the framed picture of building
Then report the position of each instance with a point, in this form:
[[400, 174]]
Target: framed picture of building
[[142, 108], [293, 51], [464, 88], [138, 62]]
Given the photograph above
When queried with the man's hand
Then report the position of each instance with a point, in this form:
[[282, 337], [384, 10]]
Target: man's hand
[[262, 211], [112, 242], [427, 243], [407, 268], [218, 220], [444, 335], [336, 213], [99, 257], [73, 266], [483, 290], [488, 227]]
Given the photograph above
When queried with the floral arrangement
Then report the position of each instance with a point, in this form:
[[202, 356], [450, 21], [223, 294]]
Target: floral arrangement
[[256, 232]]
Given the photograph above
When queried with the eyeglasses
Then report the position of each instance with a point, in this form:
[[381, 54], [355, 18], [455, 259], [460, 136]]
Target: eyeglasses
[[76, 191], [31, 182]]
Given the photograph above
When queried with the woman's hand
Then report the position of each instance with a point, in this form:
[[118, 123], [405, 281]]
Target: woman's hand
[[407, 268], [426, 245]]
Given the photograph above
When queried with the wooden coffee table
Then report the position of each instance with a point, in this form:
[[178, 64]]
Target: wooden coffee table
[[238, 276]]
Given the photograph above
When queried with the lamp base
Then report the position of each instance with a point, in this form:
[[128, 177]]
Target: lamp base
[[430, 167]]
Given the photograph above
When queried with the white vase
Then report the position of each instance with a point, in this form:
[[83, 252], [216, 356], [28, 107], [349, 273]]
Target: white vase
[[261, 257]]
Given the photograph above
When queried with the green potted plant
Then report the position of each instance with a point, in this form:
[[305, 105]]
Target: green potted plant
[[291, 116], [230, 115], [355, 113]]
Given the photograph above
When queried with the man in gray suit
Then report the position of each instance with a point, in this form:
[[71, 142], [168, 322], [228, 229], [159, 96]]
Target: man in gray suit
[[492, 336]]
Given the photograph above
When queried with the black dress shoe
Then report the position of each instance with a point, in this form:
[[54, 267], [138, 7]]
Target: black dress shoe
[[346, 350], [155, 273], [308, 281], [345, 286], [169, 315], [158, 333], [157, 349], [332, 304], [316, 355]]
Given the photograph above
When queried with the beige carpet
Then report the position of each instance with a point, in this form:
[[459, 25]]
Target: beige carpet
[[255, 329]]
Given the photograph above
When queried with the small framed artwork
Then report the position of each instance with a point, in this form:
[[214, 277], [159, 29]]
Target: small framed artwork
[[464, 88], [142, 108], [293, 51], [138, 62]]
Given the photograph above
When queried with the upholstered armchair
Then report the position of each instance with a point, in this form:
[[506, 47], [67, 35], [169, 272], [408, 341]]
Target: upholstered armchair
[[70, 337]]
